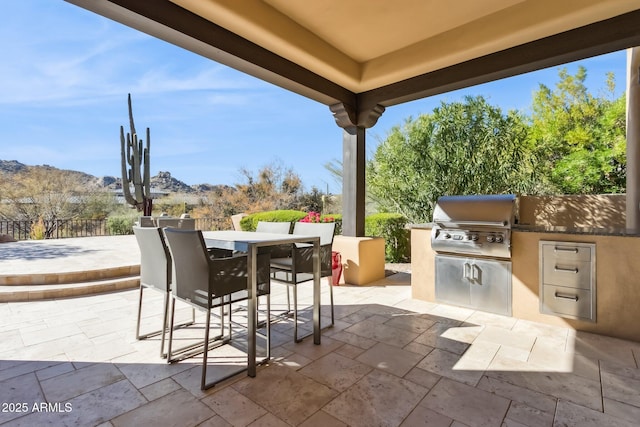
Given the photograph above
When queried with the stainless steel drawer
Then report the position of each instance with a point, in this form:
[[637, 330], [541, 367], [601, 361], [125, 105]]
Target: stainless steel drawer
[[562, 272], [566, 251], [568, 302]]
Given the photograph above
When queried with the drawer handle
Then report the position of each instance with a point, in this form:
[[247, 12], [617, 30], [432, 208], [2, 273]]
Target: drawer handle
[[560, 249], [566, 270], [571, 297]]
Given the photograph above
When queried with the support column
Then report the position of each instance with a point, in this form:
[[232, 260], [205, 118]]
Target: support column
[[354, 121], [633, 139], [353, 181]]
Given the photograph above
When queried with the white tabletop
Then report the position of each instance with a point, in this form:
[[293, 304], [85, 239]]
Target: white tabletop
[[240, 240]]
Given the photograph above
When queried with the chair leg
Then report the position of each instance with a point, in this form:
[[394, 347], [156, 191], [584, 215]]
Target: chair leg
[[203, 383], [331, 297], [139, 313], [165, 325], [165, 322], [268, 326], [288, 301], [295, 313], [173, 312]]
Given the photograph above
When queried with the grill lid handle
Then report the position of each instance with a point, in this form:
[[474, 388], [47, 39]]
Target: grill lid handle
[[476, 223]]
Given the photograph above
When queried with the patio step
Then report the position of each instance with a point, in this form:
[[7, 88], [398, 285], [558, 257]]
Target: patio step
[[39, 286]]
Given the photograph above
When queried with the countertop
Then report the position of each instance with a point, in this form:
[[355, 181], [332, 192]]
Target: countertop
[[593, 231]]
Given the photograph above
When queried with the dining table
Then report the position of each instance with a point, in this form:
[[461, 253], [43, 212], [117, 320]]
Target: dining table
[[250, 242]]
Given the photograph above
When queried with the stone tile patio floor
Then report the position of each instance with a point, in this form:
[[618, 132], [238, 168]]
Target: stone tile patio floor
[[388, 361]]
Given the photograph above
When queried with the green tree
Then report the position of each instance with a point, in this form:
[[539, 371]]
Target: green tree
[[49, 194], [465, 147], [579, 138]]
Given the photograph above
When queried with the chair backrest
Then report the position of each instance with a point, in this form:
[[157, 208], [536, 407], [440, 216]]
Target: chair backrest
[[199, 279], [182, 223], [147, 221], [235, 220], [155, 260], [324, 230], [273, 227], [190, 270]]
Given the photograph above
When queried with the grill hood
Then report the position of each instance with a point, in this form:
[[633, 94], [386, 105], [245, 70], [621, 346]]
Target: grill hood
[[495, 211]]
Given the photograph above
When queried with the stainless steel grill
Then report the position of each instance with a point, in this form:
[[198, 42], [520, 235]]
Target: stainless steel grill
[[471, 236], [474, 225]]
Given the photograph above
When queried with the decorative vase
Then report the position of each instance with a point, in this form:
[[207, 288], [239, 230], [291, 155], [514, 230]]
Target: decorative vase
[[336, 267]]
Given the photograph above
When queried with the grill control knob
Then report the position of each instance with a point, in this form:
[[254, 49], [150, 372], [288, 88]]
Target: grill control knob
[[446, 235], [490, 238], [474, 237], [499, 239]]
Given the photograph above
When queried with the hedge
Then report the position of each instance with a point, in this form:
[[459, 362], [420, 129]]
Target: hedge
[[250, 222], [392, 227]]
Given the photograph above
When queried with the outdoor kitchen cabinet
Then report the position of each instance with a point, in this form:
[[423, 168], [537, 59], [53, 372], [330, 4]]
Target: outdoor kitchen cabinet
[[567, 279], [482, 284]]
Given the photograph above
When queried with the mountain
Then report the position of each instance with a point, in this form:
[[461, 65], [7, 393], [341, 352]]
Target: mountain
[[162, 181]]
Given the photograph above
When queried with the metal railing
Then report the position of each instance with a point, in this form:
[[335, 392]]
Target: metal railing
[[64, 228]]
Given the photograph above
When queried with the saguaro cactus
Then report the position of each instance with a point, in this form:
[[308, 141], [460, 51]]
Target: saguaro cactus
[[138, 173]]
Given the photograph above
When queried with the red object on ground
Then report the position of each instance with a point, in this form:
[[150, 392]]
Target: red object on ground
[[336, 267]]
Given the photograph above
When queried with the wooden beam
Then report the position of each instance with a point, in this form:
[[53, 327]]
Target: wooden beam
[[168, 21], [602, 37]]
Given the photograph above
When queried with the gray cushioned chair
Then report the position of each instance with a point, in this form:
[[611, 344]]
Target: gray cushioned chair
[[206, 283], [155, 273], [298, 267], [280, 251]]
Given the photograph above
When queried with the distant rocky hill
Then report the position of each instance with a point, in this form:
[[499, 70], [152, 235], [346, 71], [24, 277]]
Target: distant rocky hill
[[162, 181]]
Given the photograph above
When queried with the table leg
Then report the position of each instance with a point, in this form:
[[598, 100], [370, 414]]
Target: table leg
[[252, 263], [316, 292]]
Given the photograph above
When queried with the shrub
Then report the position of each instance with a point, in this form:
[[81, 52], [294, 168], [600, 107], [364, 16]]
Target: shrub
[[391, 226], [38, 230], [250, 222], [120, 224]]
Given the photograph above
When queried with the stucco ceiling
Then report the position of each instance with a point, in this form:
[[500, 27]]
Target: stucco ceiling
[[365, 44], [368, 54]]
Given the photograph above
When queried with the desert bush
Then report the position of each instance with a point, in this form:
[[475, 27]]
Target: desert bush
[[120, 224], [38, 230]]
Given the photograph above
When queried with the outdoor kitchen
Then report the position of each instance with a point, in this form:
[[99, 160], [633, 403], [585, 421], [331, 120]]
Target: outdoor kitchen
[[561, 261]]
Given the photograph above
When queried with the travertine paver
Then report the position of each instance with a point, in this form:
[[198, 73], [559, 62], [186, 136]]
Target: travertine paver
[[388, 361]]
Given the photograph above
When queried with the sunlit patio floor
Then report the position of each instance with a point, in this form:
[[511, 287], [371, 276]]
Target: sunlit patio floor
[[388, 361]]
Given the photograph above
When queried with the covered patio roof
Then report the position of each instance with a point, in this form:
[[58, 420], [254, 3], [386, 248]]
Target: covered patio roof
[[360, 56]]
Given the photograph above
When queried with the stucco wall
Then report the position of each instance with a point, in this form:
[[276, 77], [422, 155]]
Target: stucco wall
[[573, 211], [617, 283], [617, 280]]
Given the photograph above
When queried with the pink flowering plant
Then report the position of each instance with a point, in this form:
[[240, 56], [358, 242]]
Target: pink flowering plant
[[315, 217]]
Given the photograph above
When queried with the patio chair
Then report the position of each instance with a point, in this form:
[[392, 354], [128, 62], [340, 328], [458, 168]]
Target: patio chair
[[273, 227], [146, 221], [280, 251], [155, 273], [182, 223], [298, 267], [207, 283]]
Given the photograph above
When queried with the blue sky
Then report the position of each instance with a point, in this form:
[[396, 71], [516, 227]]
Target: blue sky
[[66, 73]]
